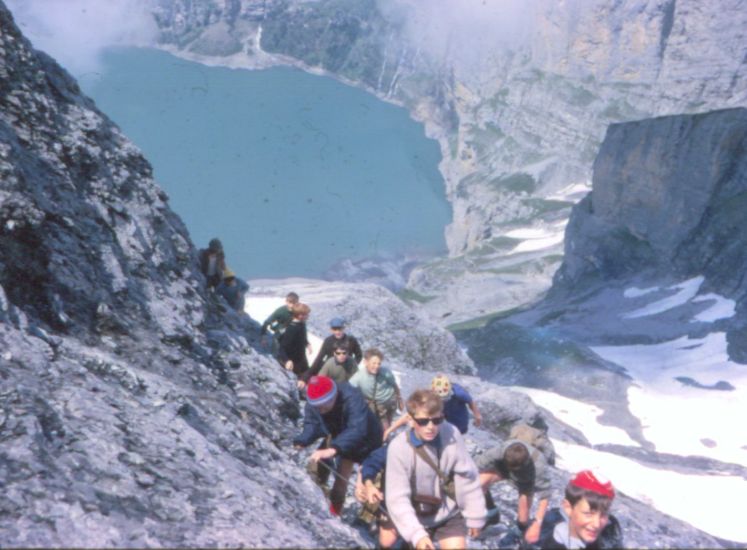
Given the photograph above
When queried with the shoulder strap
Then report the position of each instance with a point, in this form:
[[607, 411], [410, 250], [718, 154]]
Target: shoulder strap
[[373, 393], [422, 453]]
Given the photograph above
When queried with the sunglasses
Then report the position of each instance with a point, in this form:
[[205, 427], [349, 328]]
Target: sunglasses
[[424, 421], [341, 353]]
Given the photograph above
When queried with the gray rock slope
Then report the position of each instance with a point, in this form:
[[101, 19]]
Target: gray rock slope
[[134, 410], [131, 414]]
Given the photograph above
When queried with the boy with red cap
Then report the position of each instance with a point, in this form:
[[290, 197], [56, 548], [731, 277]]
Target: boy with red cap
[[339, 413], [584, 520]]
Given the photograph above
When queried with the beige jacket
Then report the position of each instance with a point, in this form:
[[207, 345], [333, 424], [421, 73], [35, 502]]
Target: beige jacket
[[451, 456]]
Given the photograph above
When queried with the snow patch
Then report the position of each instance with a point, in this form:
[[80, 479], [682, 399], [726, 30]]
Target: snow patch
[[675, 417], [722, 308], [634, 292], [578, 414], [686, 291], [571, 193], [534, 238]]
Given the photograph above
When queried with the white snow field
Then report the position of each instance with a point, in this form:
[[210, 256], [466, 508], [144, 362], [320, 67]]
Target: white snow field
[[534, 239]]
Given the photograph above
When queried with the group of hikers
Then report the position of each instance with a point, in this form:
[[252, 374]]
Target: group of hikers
[[416, 479]]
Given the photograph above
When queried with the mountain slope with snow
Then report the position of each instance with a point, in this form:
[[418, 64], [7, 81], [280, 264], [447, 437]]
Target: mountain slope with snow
[[646, 317]]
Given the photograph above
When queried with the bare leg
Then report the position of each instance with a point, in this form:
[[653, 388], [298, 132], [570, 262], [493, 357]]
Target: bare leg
[[340, 486], [387, 536], [522, 511], [452, 543]]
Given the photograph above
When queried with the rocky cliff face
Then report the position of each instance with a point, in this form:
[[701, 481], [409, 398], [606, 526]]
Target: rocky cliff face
[[135, 410], [131, 412], [519, 124], [668, 202]]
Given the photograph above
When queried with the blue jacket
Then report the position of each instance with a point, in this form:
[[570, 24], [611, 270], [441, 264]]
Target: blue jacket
[[455, 409], [374, 463], [234, 294], [355, 430]]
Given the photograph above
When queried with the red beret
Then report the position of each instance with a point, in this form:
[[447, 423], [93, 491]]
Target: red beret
[[586, 479]]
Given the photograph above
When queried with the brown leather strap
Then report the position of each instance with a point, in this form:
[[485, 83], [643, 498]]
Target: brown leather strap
[[423, 454]]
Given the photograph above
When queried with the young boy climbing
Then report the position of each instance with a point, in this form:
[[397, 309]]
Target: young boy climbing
[[432, 485], [279, 320], [526, 469], [584, 519], [338, 336], [294, 342], [338, 413], [457, 401], [378, 386], [340, 367]]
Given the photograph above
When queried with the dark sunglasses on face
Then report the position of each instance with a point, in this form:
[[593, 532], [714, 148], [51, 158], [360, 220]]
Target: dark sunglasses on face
[[424, 421], [341, 353]]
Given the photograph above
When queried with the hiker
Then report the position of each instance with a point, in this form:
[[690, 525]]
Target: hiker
[[524, 467], [337, 326], [279, 320], [369, 491], [233, 289], [432, 484], [338, 413], [583, 521], [212, 263], [378, 386], [340, 367], [456, 402], [294, 342]]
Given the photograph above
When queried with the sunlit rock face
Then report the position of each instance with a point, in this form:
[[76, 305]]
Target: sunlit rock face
[[519, 98], [668, 203]]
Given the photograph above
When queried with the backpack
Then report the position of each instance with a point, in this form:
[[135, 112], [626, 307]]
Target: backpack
[[535, 438]]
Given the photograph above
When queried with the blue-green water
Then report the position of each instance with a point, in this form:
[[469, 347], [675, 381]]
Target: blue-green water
[[292, 171]]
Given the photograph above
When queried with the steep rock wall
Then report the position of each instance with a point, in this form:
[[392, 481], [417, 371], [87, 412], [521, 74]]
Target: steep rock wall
[[668, 202]]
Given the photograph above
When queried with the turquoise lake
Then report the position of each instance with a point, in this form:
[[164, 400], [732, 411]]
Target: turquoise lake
[[292, 171]]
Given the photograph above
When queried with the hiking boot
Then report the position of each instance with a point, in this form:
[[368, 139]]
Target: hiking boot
[[334, 510]]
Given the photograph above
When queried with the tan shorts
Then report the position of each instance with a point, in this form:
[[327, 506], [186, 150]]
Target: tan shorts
[[455, 526]]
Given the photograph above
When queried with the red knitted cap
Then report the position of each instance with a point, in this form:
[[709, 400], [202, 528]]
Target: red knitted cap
[[320, 391], [586, 479]]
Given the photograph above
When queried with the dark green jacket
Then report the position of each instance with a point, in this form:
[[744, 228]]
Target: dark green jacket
[[278, 321]]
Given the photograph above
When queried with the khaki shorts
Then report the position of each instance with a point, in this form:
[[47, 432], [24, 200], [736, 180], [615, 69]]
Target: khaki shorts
[[455, 526]]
